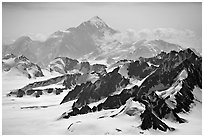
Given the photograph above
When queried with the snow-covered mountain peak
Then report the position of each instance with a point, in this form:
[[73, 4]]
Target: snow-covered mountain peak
[[98, 22], [24, 39]]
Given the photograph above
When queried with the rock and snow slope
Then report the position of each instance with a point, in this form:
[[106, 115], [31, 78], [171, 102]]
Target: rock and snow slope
[[120, 112], [149, 91], [166, 92], [43, 121], [92, 39], [11, 64]]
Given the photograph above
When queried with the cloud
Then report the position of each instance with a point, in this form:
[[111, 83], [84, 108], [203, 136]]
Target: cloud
[[128, 36], [185, 38], [169, 33], [38, 36]]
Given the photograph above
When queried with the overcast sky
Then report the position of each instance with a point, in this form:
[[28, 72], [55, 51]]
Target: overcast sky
[[41, 19]]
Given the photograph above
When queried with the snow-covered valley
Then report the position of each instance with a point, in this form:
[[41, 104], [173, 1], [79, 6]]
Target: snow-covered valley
[[32, 116]]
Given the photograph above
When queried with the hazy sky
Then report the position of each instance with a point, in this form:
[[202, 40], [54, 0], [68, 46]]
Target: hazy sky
[[41, 19]]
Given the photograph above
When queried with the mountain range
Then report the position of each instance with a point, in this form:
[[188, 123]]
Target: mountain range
[[166, 90], [163, 86], [150, 79], [73, 42], [92, 40]]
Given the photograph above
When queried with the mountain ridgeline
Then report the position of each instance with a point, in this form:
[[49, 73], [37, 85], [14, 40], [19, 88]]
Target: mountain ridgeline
[[162, 84], [92, 39], [152, 79], [167, 89], [73, 42], [72, 73]]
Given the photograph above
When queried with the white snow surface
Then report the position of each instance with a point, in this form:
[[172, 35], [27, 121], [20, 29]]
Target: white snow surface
[[11, 61], [18, 120], [97, 21]]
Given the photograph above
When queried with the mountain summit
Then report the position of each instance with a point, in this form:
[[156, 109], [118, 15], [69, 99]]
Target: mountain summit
[[73, 42], [92, 39], [97, 22]]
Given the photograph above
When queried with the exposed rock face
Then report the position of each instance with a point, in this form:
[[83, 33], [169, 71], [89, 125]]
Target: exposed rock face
[[164, 93], [149, 120], [91, 92], [65, 65], [116, 101], [100, 69], [140, 69], [71, 80], [35, 92], [68, 81], [165, 75]]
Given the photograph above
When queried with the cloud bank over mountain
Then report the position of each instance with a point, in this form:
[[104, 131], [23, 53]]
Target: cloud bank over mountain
[[44, 18], [185, 38]]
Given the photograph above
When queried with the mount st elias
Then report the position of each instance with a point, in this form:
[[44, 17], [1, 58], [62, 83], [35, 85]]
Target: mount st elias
[[92, 39], [91, 83], [73, 42]]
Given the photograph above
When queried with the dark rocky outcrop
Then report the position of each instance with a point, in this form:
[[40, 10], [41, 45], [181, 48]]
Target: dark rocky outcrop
[[74, 94], [58, 91], [163, 76], [20, 93], [17, 93], [149, 120], [92, 92], [68, 80], [71, 80], [85, 109], [35, 92], [139, 69], [100, 69], [115, 101], [31, 91], [65, 65]]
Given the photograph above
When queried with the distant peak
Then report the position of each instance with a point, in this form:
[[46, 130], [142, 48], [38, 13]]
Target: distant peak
[[24, 38], [97, 21], [96, 18]]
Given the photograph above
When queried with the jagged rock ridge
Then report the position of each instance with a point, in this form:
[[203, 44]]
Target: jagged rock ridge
[[73, 74], [163, 93]]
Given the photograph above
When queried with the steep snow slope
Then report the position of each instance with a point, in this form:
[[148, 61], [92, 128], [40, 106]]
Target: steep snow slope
[[36, 118], [29, 115], [18, 118]]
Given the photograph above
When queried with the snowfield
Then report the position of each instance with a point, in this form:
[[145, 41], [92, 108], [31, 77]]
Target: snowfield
[[41, 116]]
